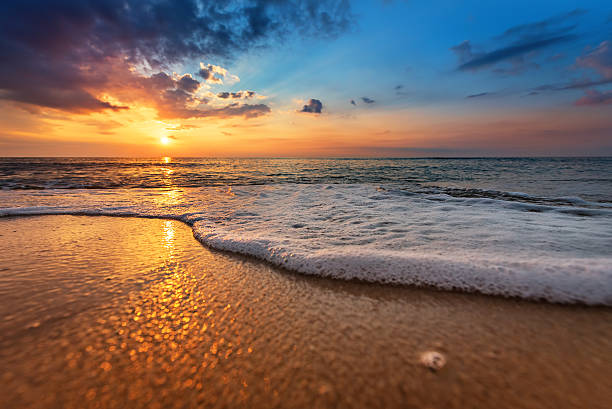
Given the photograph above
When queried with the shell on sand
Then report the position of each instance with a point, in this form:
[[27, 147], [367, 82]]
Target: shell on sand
[[433, 360]]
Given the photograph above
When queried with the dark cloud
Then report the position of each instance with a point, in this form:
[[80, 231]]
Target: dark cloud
[[475, 61], [214, 74], [205, 73], [314, 106], [73, 100], [161, 81], [481, 94], [236, 95], [399, 90], [66, 54], [517, 44], [594, 97], [187, 83], [367, 100]]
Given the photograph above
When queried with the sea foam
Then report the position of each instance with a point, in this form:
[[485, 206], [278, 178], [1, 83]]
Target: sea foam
[[507, 244]]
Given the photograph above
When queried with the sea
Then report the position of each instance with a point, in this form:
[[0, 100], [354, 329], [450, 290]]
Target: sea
[[532, 228]]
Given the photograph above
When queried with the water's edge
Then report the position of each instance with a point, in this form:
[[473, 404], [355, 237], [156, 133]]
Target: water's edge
[[595, 294]]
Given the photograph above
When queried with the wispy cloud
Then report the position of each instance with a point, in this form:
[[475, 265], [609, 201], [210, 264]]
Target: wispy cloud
[[594, 97], [480, 95], [597, 60], [517, 44]]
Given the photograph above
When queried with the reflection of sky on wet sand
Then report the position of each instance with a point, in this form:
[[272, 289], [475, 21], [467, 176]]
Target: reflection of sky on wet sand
[[195, 328]]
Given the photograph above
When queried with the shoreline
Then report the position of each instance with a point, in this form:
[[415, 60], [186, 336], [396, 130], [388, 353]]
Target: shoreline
[[238, 253], [167, 320]]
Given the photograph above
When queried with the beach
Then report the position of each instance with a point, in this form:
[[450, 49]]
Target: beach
[[305, 204], [109, 312]]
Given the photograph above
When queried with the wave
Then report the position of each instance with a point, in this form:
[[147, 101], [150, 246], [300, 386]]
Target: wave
[[545, 202], [546, 278], [512, 248]]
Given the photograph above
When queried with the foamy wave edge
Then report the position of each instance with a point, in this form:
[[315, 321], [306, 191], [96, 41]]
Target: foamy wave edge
[[564, 281]]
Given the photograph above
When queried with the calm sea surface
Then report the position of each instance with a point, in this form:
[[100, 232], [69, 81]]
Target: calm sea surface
[[589, 178]]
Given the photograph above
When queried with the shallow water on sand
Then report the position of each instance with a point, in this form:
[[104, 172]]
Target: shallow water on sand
[[112, 312]]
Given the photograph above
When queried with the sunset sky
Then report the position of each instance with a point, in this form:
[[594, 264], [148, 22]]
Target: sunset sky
[[305, 78]]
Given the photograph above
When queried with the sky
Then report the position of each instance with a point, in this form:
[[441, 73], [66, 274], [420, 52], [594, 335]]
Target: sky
[[311, 78]]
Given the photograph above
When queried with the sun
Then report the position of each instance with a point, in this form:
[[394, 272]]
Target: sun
[[164, 140]]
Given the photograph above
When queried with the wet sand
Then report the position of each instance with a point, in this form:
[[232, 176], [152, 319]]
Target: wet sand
[[114, 312]]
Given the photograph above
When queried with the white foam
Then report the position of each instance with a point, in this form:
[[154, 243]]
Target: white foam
[[563, 281], [509, 248]]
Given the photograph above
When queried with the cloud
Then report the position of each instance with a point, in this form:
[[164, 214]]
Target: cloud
[[179, 97], [236, 95], [181, 127], [599, 59], [367, 100], [579, 84], [73, 55], [554, 24], [594, 97], [517, 44], [187, 83], [236, 109], [399, 90], [481, 94], [314, 106], [478, 61], [215, 74]]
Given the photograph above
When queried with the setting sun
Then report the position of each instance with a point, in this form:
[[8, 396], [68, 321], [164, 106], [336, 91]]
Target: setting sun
[[164, 140]]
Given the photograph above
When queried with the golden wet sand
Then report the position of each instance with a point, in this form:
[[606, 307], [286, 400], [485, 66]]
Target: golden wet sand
[[100, 312]]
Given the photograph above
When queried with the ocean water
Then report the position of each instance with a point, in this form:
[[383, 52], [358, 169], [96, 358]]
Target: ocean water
[[535, 228]]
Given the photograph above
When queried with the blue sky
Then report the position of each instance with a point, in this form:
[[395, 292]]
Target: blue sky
[[409, 43]]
